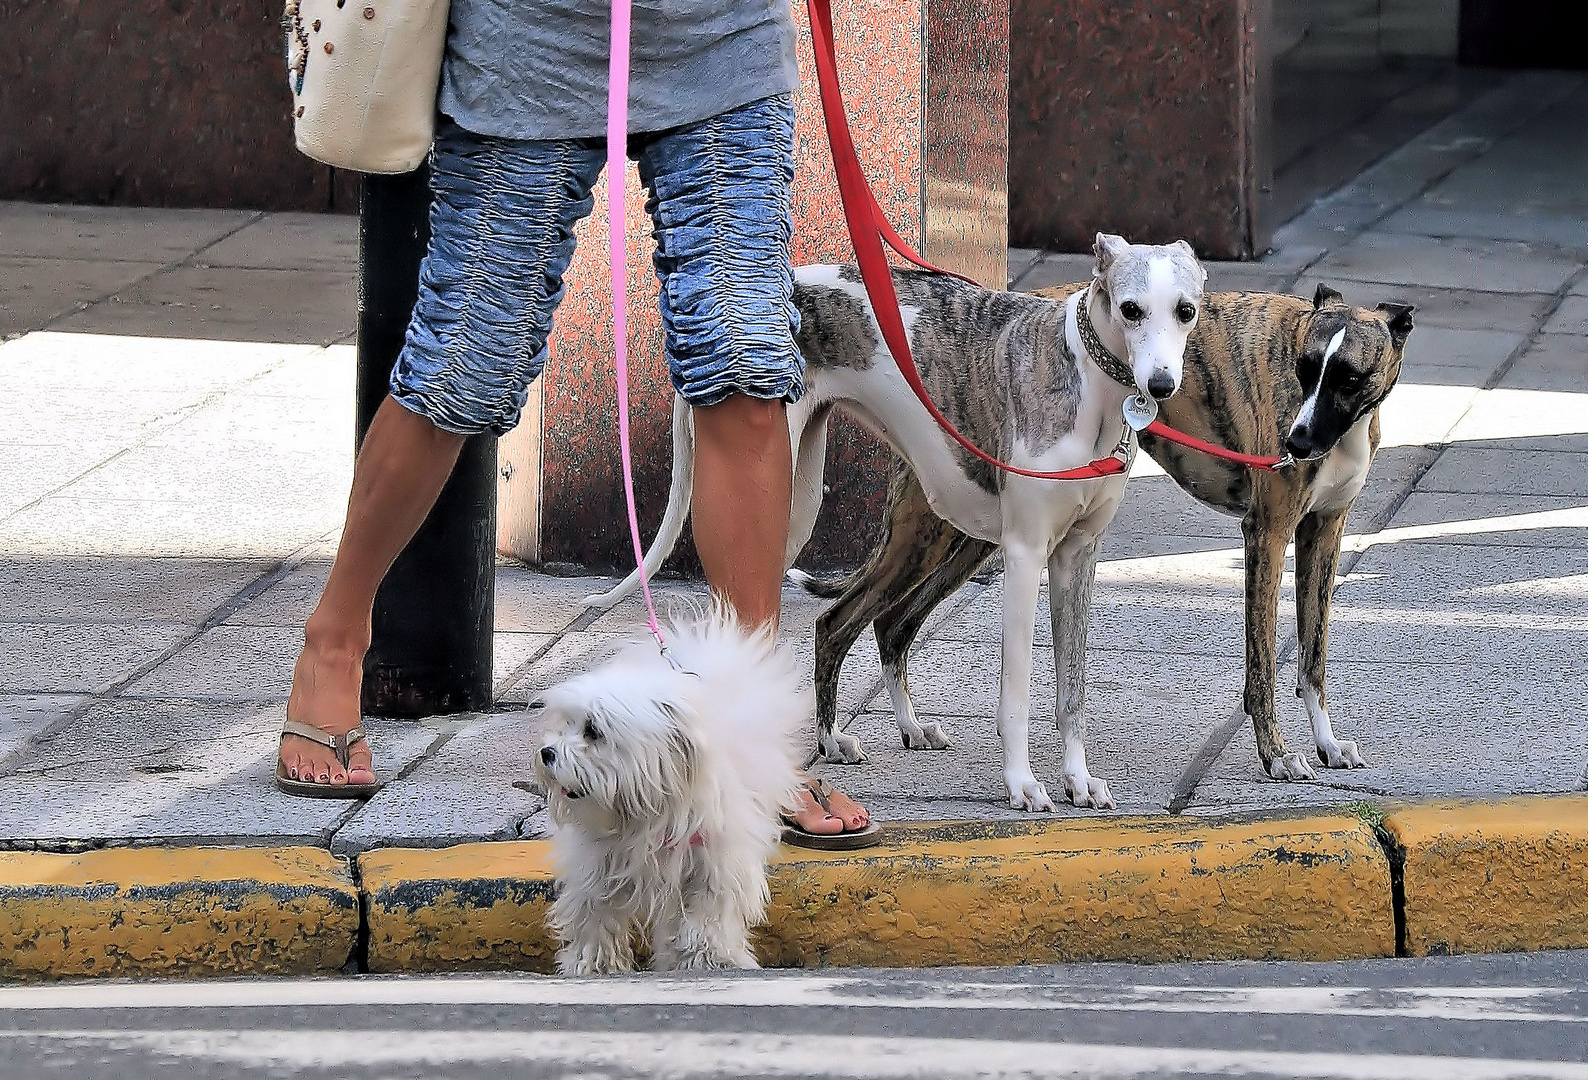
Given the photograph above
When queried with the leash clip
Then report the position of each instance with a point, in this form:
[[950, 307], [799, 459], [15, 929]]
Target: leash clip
[[1121, 451], [1286, 461]]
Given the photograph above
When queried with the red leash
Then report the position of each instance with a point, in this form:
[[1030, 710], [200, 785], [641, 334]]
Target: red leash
[[869, 227]]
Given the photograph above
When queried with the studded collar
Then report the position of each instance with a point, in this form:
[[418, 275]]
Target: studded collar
[[1107, 362]]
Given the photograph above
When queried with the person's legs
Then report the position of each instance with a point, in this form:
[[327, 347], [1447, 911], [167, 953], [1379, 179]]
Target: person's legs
[[719, 197], [501, 221]]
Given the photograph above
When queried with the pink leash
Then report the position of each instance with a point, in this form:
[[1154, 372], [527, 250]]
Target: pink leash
[[617, 170]]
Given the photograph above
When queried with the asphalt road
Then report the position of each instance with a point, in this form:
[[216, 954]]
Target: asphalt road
[[1441, 1019]]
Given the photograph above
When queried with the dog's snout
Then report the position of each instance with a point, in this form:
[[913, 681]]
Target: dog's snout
[[1161, 385], [1299, 443], [548, 756]]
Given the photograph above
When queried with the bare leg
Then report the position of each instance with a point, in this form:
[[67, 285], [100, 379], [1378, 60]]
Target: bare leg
[[401, 469], [743, 486]]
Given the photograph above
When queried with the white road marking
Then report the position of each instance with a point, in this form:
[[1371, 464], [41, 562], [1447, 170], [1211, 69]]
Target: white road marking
[[1425, 1002], [683, 1055]]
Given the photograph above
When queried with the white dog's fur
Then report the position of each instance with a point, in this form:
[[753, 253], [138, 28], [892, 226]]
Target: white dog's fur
[[666, 790]]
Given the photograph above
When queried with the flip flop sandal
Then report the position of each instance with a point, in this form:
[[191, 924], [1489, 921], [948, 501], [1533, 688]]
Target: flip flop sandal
[[869, 836], [339, 745]]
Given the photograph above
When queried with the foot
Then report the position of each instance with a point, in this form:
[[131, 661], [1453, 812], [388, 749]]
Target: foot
[[928, 736], [1089, 791], [1027, 793], [1291, 767], [841, 749], [1342, 755], [325, 694], [842, 814]]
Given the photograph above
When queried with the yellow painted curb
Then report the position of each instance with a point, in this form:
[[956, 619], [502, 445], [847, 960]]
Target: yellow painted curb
[[470, 907], [175, 911], [1483, 877], [1138, 889]]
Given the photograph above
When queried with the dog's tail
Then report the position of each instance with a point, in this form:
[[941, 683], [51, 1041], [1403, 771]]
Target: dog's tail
[[672, 526], [825, 587]]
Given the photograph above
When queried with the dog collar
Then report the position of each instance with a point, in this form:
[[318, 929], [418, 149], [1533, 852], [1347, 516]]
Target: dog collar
[[1106, 361]]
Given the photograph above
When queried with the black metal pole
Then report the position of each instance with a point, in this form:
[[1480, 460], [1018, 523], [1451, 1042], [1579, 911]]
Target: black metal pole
[[434, 613]]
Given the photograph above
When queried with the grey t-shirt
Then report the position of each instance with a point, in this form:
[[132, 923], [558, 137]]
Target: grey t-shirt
[[537, 69]]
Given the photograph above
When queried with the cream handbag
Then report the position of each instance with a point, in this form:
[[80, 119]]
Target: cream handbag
[[363, 75]]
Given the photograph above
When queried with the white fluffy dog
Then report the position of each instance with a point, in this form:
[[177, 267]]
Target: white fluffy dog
[[666, 790]]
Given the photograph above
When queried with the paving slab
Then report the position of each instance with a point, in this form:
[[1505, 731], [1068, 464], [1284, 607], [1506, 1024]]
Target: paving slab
[[1543, 587], [1482, 469], [1488, 519], [230, 304], [29, 471], [1451, 263], [38, 291], [1526, 420], [288, 241], [1145, 722], [1021, 260], [116, 362], [1553, 362], [463, 792], [1570, 318], [527, 599], [109, 591], [24, 716], [1191, 604], [1466, 309], [95, 424], [77, 658], [53, 231], [1428, 218], [1426, 731], [88, 528], [1057, 269], [288, 602], [141, 770], [1477, 351]]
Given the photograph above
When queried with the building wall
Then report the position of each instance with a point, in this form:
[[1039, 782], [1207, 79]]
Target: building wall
[[1141, 118], [152, 103]]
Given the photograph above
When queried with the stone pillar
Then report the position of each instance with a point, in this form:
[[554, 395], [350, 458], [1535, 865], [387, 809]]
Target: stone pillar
[[1139, 117], [925, 81]]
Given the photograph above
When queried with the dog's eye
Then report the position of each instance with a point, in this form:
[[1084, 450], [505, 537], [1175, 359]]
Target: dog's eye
[[1130, 311], [1350, 381], [591, 732], [1185, 311]]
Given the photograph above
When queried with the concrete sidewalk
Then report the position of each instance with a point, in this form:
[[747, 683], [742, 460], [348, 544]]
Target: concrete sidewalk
[[175, 424]]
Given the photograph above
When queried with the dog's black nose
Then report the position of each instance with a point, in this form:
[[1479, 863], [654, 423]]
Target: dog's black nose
[[1161, 385], [548, 755], [1299, 443]]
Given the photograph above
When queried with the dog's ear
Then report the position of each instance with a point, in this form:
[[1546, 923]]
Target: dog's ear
[[1399, 319], [1190, 253], [1325, 296], [1107, 247]]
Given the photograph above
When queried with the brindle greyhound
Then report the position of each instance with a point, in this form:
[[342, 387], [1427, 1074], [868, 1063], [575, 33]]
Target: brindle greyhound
[[1041, 383], [1262, 372]]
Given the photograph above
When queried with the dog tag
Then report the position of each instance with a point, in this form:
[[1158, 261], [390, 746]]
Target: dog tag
[[1140, 411]]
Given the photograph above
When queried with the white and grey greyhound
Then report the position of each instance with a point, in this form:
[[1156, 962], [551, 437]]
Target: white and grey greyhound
[[1041, 384]]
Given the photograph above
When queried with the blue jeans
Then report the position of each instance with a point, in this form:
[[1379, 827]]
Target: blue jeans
[[502, 217]]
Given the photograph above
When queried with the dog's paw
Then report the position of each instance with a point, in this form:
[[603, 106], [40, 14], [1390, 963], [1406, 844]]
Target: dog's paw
[[1091, 791], [1291, 767], [841, 749], [594, 959], [926, 737], [1344, 756], [1030, 795]]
